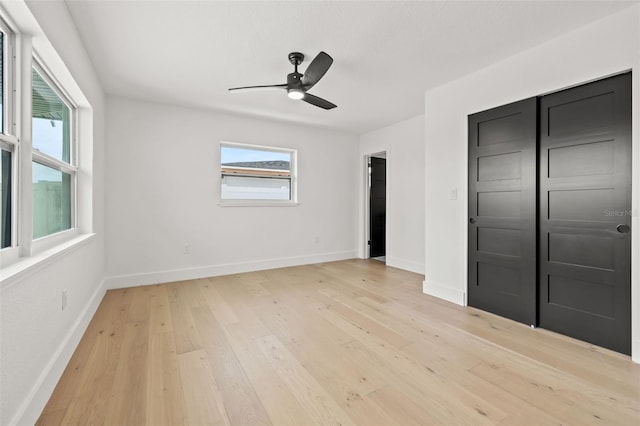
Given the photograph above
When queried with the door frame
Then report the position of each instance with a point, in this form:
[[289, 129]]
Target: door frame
[[367, 199]]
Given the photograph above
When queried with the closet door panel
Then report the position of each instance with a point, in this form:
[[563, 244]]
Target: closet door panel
[[585, 212], [502, 211]]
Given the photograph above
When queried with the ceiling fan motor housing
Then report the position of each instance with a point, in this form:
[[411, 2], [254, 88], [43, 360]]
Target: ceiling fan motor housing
[[294, 80]]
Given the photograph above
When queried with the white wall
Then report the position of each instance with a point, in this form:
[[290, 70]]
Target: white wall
[[404, 144], [163, 185], [600, 49], [38, 338]]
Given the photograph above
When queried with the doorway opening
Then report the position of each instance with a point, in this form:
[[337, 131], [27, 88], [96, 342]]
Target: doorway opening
[[377, 206]]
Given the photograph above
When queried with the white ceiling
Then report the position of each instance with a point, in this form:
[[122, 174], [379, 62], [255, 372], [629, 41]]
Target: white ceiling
[[386, 54]]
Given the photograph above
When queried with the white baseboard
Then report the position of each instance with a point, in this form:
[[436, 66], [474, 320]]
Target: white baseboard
[[444, 292], [134, 280], [635, 351], [407, 265], [41, 391]]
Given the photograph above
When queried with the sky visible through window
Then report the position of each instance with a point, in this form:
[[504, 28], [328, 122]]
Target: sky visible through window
[[235, 155], [43, 130]]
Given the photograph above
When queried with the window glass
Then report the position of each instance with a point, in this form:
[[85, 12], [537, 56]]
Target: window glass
[[51, 201], [5, 199], [250, 188], [250, 173], [50, 121]]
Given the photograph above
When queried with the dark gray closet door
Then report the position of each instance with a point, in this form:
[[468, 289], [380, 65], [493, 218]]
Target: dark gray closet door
[[378, 207], [585, 212], [502, 211]]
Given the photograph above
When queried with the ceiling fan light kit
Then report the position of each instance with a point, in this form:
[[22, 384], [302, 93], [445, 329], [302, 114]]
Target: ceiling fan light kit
[[297, 84], [296, 94]]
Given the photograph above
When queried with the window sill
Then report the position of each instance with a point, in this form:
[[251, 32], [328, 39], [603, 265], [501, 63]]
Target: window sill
[[258, 204], [26, 266]]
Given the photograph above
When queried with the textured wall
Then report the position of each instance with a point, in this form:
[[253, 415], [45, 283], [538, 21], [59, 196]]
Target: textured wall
[[163, 187], [37, 336]]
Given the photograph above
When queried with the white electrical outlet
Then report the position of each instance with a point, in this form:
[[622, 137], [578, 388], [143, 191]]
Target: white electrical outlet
[[453, 194], [186, 249], [64, 299], [316, 239]]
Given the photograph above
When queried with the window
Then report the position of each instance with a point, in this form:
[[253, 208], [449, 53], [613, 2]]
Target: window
[[257, 174], [43, 175], [8, 143], [53, 171]]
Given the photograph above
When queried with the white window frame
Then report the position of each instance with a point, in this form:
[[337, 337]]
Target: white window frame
[[8, 70], [70, 168], [8, 140], [293, 170]]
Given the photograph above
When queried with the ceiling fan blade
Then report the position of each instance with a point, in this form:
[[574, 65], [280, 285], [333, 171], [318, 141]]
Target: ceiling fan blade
[[319, 102], [269, 86], [316, 69]]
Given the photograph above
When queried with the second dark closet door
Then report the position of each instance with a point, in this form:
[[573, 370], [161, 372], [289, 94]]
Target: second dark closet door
[[585, 212]]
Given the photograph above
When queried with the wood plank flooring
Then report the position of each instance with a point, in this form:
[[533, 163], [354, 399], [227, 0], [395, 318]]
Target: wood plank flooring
[[351, 342]]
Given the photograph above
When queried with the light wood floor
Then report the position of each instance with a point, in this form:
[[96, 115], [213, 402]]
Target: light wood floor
[[352, 342]]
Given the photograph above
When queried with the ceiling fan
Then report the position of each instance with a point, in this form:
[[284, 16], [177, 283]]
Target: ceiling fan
[[297, 84]]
